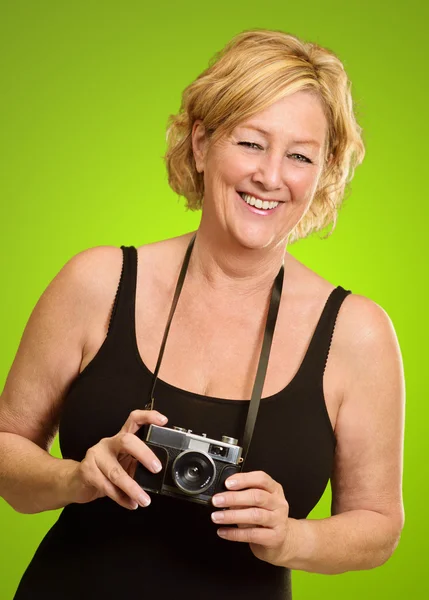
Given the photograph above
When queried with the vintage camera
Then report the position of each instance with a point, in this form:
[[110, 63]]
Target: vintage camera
[[194, 467]]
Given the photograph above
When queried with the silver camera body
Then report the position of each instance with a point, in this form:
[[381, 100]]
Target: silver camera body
[[194, 467]]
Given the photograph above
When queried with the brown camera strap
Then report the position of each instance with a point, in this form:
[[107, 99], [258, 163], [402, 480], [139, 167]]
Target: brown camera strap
[[263, 358]]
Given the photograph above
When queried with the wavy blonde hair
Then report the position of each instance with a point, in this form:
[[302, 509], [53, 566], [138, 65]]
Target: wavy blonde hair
[[255, 69]]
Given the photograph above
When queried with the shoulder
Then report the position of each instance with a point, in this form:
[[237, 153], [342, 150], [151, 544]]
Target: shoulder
[[159, 262], [371, 355], [360, 319], [94, 272], [98, 257], [364, 332], [166, 251], [99, 267], [364, 325]]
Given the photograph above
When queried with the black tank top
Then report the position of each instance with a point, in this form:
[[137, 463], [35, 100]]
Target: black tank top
[[171, 549]]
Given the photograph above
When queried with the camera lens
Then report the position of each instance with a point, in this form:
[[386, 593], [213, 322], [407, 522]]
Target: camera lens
[[193, 472]]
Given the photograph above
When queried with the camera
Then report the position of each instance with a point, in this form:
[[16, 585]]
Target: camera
[[194, 467]]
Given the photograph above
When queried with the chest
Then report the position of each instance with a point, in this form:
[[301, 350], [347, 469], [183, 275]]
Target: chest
[[213, 349]]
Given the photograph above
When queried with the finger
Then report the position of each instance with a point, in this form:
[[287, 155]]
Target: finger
[[116, 475], [248, 516], [253, 479], [137, 418], [252, 497], [131, 470], [131, 444], [94, 477], [252, 535], [115, 493]]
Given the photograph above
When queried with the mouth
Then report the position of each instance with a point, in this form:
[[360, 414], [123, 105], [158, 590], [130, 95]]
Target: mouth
[[259, 206]]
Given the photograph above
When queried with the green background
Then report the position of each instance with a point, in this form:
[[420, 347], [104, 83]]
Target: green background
[[86, 89]]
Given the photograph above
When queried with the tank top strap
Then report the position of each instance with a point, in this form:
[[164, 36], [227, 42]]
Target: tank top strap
[[316, 357], [122, 317]]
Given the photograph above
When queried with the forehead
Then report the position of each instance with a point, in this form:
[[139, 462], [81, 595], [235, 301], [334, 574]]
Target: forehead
[[300, 114]]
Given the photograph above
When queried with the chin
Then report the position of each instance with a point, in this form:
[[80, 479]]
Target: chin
[[257, 239]]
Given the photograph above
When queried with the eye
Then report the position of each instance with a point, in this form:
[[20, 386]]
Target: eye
[[250, 145], [301, 158]]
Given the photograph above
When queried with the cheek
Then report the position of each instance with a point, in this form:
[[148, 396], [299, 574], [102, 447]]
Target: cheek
[[302, 183], [223, 172], [235, 171]]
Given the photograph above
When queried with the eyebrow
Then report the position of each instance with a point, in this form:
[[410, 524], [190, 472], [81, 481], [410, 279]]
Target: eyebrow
[[267, 133]]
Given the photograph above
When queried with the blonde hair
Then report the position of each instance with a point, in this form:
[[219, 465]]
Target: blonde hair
[[255, 69]]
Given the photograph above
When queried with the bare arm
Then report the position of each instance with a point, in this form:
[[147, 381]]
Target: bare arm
[[367, 509], [46, 363], [31, 480]]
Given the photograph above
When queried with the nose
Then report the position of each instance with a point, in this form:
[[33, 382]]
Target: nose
[[270, 171]]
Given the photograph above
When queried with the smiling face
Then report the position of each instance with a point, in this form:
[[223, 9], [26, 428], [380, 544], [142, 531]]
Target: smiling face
[[277, 155]]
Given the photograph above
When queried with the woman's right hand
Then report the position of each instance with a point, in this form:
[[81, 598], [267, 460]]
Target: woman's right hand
[[109, 467]]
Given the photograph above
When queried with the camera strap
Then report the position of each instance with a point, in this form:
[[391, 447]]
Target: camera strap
[[263, 358]]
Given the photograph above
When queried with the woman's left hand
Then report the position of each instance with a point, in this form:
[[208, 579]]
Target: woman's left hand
[[260, 510]]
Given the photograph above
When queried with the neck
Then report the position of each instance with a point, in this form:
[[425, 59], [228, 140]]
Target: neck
[[223, 265]]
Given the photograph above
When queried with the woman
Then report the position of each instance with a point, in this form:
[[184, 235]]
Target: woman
[[265, 143]]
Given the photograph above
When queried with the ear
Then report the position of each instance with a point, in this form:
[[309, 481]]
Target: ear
[[199, 144]]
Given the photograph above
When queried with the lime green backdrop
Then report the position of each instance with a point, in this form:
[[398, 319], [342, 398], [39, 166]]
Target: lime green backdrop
[[86, 91]]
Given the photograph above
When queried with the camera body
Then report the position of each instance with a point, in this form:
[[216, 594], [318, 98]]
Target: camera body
[[194, 467]]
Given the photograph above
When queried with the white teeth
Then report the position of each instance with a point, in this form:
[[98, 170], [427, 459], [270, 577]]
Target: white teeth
[[264, 204]]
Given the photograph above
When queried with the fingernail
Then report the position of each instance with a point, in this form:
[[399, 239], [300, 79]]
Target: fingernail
[[217, 517], [162, 419], [230, 483], [156, 466], [143, 500], [134, 506], [218, 500]]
